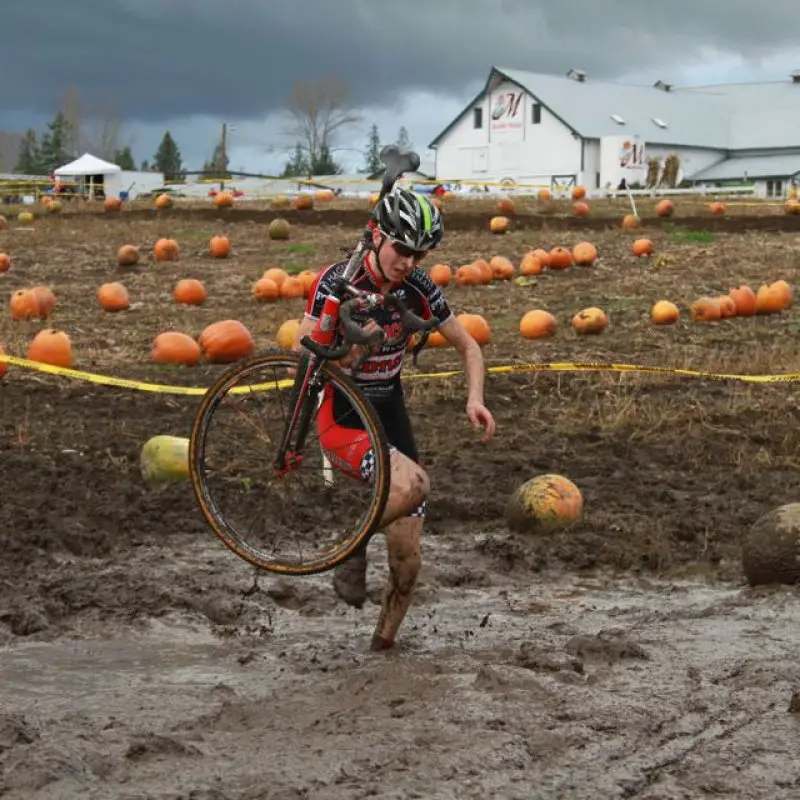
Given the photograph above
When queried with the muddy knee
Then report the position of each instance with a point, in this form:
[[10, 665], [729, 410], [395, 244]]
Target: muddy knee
[[410, 483]]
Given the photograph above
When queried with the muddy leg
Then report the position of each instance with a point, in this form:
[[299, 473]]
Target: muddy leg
[[403, 549]]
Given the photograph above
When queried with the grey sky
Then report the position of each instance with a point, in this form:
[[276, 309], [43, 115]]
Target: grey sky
[[168, 61]]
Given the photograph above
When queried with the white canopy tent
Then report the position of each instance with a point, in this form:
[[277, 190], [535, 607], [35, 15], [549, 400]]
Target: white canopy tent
[[86, 166]]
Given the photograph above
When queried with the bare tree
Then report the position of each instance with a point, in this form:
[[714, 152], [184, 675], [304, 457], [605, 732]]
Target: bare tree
[[95, 129], [317, 111]]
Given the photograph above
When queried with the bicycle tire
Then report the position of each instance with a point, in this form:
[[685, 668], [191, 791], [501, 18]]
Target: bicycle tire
[[374, 428]]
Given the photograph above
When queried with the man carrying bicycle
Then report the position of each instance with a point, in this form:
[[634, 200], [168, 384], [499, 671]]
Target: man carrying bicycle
[[406, 227]]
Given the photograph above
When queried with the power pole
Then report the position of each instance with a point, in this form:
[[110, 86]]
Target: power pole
[[224, 145]]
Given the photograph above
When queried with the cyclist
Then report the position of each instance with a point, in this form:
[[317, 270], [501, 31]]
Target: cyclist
[[406, 228]]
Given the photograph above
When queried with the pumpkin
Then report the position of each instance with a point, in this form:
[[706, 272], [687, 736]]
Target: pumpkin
[[286, 334], [584, 254], [219, 246], [166, 250], [484, 271], [530, 265], [580, 209], [440, 274], [477, 327], [642, 247], [468, 275], [769, 300], [664, 313], [373, 199], [280, 201], [544, 195], [292, 287], [544, 504], [265, 290], [502, 268], [542, 255], [113, 297], [128, 255], [560, 258], [744, 298], [50, 346], [24, 305], [771, 547], [45, 299], [505, 205], [705, 309], [3, 364], [792, 206], [279, 229], [304, 201], [436, 339], [226, 341], [498, 225], [324, 195], [163, 201], [537, 324], [111, 204], [578, 192], [307, 278], [173, 347], [5, 262], [54, 207], [223, 200], [589, 321], [276, 275], [717, 208], [665, 208], [727, 308], [189, 292], [25, 218], [163, 459], [780, 286], [631, 221]]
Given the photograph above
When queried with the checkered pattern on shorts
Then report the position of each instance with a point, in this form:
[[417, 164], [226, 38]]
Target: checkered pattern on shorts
[[367, 467]]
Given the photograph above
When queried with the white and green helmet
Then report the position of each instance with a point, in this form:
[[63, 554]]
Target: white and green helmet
[[410, 219]]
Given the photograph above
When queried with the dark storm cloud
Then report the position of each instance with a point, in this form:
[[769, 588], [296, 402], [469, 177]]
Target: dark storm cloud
[[238, 58]]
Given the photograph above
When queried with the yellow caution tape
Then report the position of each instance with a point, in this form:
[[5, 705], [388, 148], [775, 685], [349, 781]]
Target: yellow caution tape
[[555, 366]]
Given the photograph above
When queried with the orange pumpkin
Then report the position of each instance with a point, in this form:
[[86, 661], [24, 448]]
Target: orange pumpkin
[[537, 324], [578, 192], [505, 205], [51, 347], [631, 221], [717, 208], [727, 308], [665, 208], [166, 250], [769, 300], [484, 270], [307, 278], [128, 255], [560, 258], [786, 292], [24, 305], [440, 274], [173, 347], [304, 201], [291, 288], [276, 275], [590, 321], [5, 262], [642, 247], [530, 265], [111, 204], [792, 206], [544, 504], [544, 195], [223, 200], [744, 299], [468, 275], [163, 201], [45, 299], [498, 225], [580, 209], [265, 290], [664, 313], [705, 309], [189, 292], [226, 341], [113, 297], [584, 254], [477, 327], [502, 268], [436, 340], [542, 255], [324, 195], [219, 246]]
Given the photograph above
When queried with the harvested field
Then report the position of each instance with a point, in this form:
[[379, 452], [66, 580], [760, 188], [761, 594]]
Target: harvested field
[[622, 658]]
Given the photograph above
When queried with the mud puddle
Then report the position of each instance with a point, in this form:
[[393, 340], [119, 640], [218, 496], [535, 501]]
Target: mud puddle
[[507, 686]]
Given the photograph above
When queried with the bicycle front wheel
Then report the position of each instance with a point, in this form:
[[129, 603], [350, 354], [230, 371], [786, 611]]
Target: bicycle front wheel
[[301, 520]]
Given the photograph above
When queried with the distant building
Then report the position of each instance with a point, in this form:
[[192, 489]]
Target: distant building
[[550, 130]]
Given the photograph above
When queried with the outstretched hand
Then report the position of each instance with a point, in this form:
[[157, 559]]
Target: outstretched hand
[[480, 417]]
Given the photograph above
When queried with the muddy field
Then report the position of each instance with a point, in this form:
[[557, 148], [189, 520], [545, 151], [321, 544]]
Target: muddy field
[[623, 658]]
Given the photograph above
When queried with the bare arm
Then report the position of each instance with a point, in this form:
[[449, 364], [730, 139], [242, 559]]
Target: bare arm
[[471, 354]]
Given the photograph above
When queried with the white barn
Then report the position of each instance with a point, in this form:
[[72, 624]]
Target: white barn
[[550, 130]]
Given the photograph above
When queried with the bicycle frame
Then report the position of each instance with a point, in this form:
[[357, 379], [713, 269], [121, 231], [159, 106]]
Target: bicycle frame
[[336, 331]]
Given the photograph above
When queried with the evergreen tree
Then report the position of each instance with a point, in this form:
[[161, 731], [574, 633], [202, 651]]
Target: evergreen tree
[[297, 167], [218, 166], [53, 151], [124, 159], [403, 139], [145, 166], [168, 159], [324, 163], [373, 152], [28, 162]]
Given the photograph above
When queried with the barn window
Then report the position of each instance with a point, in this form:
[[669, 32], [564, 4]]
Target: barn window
[[477, 117], [536, 113]]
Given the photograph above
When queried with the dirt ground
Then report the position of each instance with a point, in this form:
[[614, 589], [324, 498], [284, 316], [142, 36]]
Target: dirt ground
[[622, 658]]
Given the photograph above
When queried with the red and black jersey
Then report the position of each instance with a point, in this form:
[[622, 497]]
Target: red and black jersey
[[379, 375]]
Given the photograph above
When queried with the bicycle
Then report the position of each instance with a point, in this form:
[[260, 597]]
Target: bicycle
[[314, 374]]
